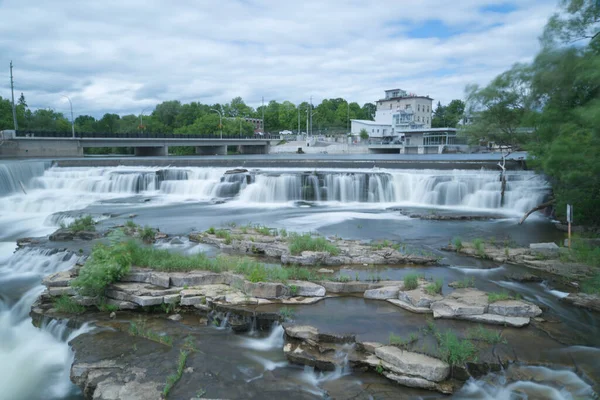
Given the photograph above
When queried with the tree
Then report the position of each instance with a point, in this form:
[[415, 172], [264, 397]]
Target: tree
[[85, 123], [454, 112], [166, 112], [498, 110], [364, 135], [439, 116], [109, 123], [368, 111], [558, 97]]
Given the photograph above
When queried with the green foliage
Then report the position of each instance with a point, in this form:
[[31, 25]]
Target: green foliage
[[479, 247], [591, 285], [82, 224], [104, 266], [104, 306], [485, 335], [457, 242], [454, 350], [139, 329], [435, 288], [500, 296], [379, 368], [174, 378], [582, 252], [266, 231], [283, 233], [344, 278], [286, 313], [211, 230], [448, 116], [66, 304], [465, 283], [411, 281], [397, 340], [364, 135], [293, 290], [147, 234], [305, 242]]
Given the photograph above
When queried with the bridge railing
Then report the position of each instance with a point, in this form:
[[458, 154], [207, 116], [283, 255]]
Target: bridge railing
[[137, 135]]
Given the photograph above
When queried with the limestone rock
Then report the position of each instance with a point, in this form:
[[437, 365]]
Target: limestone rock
[[418, 297], [345, 287], [589, 301], [175, 317], [410, 307], [266, 290], [384, 293], [58, 279], [461, 302], [302, 332], [414, 364], [195, 278], [325, 271], [411, 381], [514, 308], [59, 291], [494, 319], [306, 289]]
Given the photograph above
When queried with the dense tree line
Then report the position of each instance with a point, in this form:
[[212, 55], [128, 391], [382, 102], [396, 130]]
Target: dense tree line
[[557, 98], [329, 117]]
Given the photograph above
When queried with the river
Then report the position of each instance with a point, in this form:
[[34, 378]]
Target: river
[[366, 204]]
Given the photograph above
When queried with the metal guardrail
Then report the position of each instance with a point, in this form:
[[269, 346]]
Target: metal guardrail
[[84, 135]]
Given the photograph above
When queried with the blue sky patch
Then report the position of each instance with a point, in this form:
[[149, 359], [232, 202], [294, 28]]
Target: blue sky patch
[[503, 8], [433, 28]]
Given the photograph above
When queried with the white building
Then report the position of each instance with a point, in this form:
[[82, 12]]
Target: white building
[[373, 128], [404, 110]]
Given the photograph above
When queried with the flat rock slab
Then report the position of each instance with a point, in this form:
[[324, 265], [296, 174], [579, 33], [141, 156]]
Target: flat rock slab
[[413, 364], [410, 307], [306, 289], [514, 308], [418, 298], [58, 279], [384, 293], [515, 322], [302, 332], [345, 287], [589, 301], [196, 278]]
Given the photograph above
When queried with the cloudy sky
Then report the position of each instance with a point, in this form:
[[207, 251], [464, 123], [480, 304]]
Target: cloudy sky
[[123, 56]]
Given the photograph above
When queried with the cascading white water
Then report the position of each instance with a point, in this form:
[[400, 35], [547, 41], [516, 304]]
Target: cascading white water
[[13, 174], [272, 342], [467, 190], [34, 362]]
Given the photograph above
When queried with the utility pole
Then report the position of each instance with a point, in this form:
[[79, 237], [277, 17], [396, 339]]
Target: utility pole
[[298, 119], [310, 116], [307, 110], [263, 115], [12, 91], [348, 123]]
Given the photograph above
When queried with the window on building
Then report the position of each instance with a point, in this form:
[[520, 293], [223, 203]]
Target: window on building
[[418, 119], [373, 130], [427, 119], [418, 107], [427, 110], [377, 130]]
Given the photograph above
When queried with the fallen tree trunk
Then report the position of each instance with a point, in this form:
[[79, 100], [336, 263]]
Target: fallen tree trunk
[[536, 208]]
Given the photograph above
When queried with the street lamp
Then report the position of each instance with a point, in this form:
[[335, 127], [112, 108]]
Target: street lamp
[[348, 123], [141, 115], [72, 120], [220, 121]]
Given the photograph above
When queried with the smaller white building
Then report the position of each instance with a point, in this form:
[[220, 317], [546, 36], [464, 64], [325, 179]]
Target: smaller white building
[[373, 128]]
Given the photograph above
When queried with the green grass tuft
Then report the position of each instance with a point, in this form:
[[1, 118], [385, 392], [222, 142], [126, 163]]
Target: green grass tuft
[[66, 304], [465, 283], [457, 243], [139, 329], [435, 287], [499, 296], [485, 335], [411, 281], [479, 247], [305, 242], [81, 224]]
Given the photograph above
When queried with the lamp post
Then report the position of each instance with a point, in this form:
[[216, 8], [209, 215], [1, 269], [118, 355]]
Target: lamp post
[[72, 120], [141, 115], [348, 122], [220, 120]]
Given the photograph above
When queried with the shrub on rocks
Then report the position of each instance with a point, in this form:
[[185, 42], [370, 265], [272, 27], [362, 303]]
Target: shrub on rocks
[[305, 242], [411, 282]]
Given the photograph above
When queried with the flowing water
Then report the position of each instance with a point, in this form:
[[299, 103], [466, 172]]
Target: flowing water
[[362, 204]]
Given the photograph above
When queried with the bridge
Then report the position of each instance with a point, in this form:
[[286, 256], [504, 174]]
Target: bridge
[[59, 144]]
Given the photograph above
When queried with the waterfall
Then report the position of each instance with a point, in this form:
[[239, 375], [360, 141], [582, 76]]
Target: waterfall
[[458, 189], [34, 363], [13, 174]]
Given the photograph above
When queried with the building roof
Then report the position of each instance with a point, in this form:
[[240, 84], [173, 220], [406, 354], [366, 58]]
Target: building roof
[[406, 97], [367, 122]]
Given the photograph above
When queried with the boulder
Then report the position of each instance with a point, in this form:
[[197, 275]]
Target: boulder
[[413, 364], [306, 289], [57, 279], [345, 287], [514, 308], [266, 290], [59, 291], [544, 246], [302, 332], [411, 381], [589, 301], [62, 235], [175, 317], [461, 302], [384, 293], [192, 300], [418, 297], [121, 305]]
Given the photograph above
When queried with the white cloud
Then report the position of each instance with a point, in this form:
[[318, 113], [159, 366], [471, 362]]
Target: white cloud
[[122, 56]]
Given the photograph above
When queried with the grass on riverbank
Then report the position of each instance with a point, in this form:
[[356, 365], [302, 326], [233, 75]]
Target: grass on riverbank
[[66, 304], [81, 224], [109, 264], [305, 242], [501, 296], [139, 329]]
